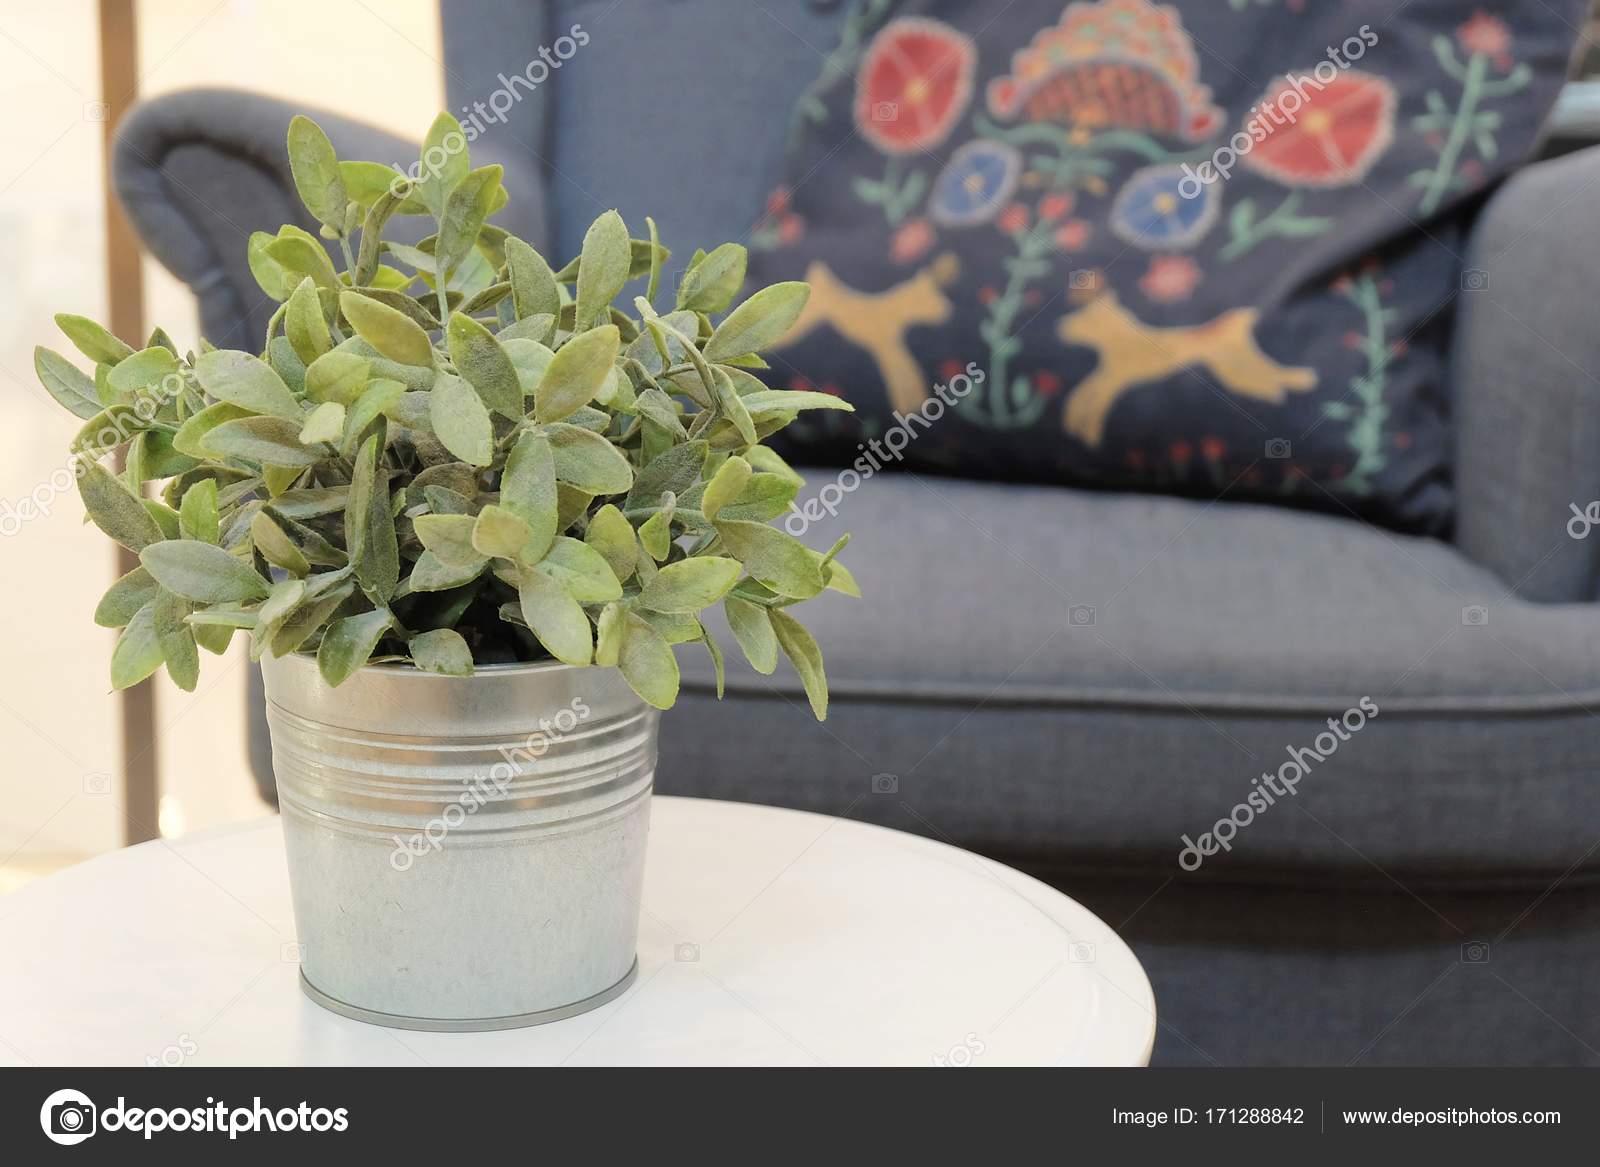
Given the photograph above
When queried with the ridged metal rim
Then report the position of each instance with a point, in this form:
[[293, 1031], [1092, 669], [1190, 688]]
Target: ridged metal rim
[[470, 1024], [403, 668]]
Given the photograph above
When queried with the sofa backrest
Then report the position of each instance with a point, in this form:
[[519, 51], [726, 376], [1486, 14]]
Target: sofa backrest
[[626, 104]]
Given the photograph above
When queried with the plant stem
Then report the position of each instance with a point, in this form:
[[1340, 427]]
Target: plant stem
[[1444, 173]]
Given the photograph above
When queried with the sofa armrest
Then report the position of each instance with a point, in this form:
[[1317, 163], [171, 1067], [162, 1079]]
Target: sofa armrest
[[198, 171], [1526, 367]]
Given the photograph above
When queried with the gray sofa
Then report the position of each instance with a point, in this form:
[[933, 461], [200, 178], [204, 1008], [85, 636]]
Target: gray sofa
[[1072, 681]]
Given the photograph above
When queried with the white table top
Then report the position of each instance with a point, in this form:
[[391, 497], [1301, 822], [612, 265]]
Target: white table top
[[769, 937]]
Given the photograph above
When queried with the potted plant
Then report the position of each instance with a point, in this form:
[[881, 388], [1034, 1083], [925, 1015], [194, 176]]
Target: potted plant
[[464, 508]]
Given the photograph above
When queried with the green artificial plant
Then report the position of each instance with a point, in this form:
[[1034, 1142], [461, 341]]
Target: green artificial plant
[[452, 453]]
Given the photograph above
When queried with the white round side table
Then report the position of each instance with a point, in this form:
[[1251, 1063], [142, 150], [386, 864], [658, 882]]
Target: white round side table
[[769, 937]]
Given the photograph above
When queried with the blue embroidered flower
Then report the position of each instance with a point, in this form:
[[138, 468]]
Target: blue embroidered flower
[[975, 183], [1157, 210]]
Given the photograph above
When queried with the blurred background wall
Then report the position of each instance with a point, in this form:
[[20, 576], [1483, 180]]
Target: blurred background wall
[[61, 751]]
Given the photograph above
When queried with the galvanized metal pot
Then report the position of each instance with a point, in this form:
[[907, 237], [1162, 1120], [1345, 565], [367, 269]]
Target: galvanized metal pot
[[464, 852]]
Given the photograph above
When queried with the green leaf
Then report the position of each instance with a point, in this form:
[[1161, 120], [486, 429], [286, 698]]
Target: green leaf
[[461, 421], [589, 461], [528, 488], [726, 485], [429, 574], [753, 630], [530, 359], [773, 557], [269, 273], [198, 571], [465, 211], [603, 267], [315, 168], [176, 640], [143, 369], [138, 650], [274, 613], [656, 255], [381, 398], [197, 513], [337, 376], [272, 441], [299, 254], [115, 509], [533, 284], [388, 330], [576, 373], [91, 340], [369, 532], [304, 324], [444, 162], [348, 644], [325, 423], [500, 533], [449, 539], [583, 570], [647, 663], [275, 546], [769, 402], [612, 536], [801, 649], [556, 618], [675, 470], [246, 381], [691, 584], [70, 386], [759, 322], [124, 598], [608, 635], [479, 358], [656, 533], [191, 436], [732, 406], [711, 284], [441, 651]]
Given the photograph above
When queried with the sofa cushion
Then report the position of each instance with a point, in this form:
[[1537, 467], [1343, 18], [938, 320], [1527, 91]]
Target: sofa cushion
[[1071, 677], [1168, 247]]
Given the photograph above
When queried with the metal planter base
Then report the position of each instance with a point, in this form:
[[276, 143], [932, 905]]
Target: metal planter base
[[470, 1025]]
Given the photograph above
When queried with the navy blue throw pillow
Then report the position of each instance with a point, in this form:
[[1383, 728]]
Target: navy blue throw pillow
[[1207, 247]]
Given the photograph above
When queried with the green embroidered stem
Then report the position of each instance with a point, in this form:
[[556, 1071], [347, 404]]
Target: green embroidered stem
[[895, 195], [1248, 231], [1010, 406], [1445, 171], [1367, 422]]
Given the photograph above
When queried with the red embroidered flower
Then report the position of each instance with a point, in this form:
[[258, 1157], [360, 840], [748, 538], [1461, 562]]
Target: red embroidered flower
[[1487, 35], [915, 81], [790, 228], [1053, 206], [1329, 136], [1213, 449], [950, 369], [1013, 219], [1181, 451], [1047, 383], [1171, 278], [911, 241], [1072, 234], [778, 201], [988, 294]]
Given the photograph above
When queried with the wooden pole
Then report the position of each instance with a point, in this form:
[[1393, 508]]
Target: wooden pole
[[119, 88]]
